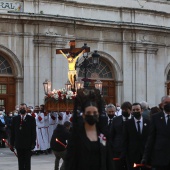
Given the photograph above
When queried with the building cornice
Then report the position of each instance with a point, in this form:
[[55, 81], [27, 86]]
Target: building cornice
[[108, 7], [37, 19], [141, 48]]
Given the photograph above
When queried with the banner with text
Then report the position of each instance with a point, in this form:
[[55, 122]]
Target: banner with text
[[11, 6]]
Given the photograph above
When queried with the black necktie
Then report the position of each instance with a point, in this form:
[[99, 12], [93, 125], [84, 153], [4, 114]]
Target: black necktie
[[168, 120], [138, 123], [110, 123], [126, 118]]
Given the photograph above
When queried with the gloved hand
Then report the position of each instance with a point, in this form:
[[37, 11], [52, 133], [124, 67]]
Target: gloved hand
[[12, 148]]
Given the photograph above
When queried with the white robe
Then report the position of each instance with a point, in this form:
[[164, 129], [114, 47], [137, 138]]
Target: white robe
[[52, 123], [43, 136], [37, 146]]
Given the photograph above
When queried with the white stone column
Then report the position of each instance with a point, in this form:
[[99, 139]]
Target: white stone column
[[151, 76], [19, 90], [119, 93], [139, 73], [144, 73], [45, 63]]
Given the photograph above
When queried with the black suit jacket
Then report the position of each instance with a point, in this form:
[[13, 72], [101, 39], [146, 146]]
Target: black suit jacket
[[134, 143], [2, 130], [117, 136], [78, 152], [25, 138], [62, 134], [158, 144]]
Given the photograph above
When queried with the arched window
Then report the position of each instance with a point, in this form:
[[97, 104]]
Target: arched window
[[168, 76], [5, 67], [102, 70]]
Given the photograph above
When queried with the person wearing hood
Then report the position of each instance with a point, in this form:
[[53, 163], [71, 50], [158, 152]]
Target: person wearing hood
[[87, 147]]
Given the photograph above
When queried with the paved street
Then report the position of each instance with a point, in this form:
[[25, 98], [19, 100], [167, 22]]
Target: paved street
[[8, 161]]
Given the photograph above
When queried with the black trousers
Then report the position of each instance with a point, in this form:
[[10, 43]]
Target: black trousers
[[119, 165], [163, 167], [24, 159]]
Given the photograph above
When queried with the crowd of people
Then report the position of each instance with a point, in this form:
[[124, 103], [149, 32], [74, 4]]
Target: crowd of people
[[92, 137]]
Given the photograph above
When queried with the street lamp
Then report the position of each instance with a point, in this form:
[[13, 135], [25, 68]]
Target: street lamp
[[47, 86], [98, 85], [95, 57], [79, 85], [85, 65], [68, 85]]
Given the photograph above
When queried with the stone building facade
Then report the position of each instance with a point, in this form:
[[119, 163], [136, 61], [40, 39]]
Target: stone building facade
[[132, 38]]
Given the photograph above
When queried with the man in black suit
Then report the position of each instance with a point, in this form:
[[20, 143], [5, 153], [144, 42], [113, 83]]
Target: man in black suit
[[23, 137], [158, 145], [135, 134], [110, 110], [117, 133]]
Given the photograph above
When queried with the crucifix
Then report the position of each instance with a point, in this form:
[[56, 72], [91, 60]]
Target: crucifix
[[72, 54]]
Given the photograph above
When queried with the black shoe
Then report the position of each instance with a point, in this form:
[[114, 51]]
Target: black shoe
[[49, 150], [46, 152], [36, 153]]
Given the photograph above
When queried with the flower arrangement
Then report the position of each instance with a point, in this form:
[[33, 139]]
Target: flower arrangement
[[60, 95], [102, 139]]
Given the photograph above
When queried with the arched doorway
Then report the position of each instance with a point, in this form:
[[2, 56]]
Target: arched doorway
[[7, 85], [104, 72]]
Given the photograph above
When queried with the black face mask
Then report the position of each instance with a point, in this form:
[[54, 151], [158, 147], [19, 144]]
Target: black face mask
[[22, 111], [167, 107], [125, 114], [137, 115], [91, 119], [110, 116]]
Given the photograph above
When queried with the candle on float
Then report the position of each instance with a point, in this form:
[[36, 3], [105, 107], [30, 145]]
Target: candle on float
[[9, 146], [61, 143], [138, 165], [116, 159]]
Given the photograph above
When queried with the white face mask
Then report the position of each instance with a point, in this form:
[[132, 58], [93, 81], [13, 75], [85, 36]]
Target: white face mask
[[10, 115], [4, 110], [118, 108], [15, 114]]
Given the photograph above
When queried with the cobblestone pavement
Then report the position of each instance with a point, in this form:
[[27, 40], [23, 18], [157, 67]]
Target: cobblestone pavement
[[8, 161]]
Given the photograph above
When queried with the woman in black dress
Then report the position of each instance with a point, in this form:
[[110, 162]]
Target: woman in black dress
[[88, 147]]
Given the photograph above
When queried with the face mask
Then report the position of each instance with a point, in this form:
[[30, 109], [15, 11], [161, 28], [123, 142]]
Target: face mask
[[22, 111], [137, 115], [10, 115], [1, 116], [125, 114], [91, 119], [111, 116], [167, 107], [15, 114], [4, 111], [118, 108], [36, 111]]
